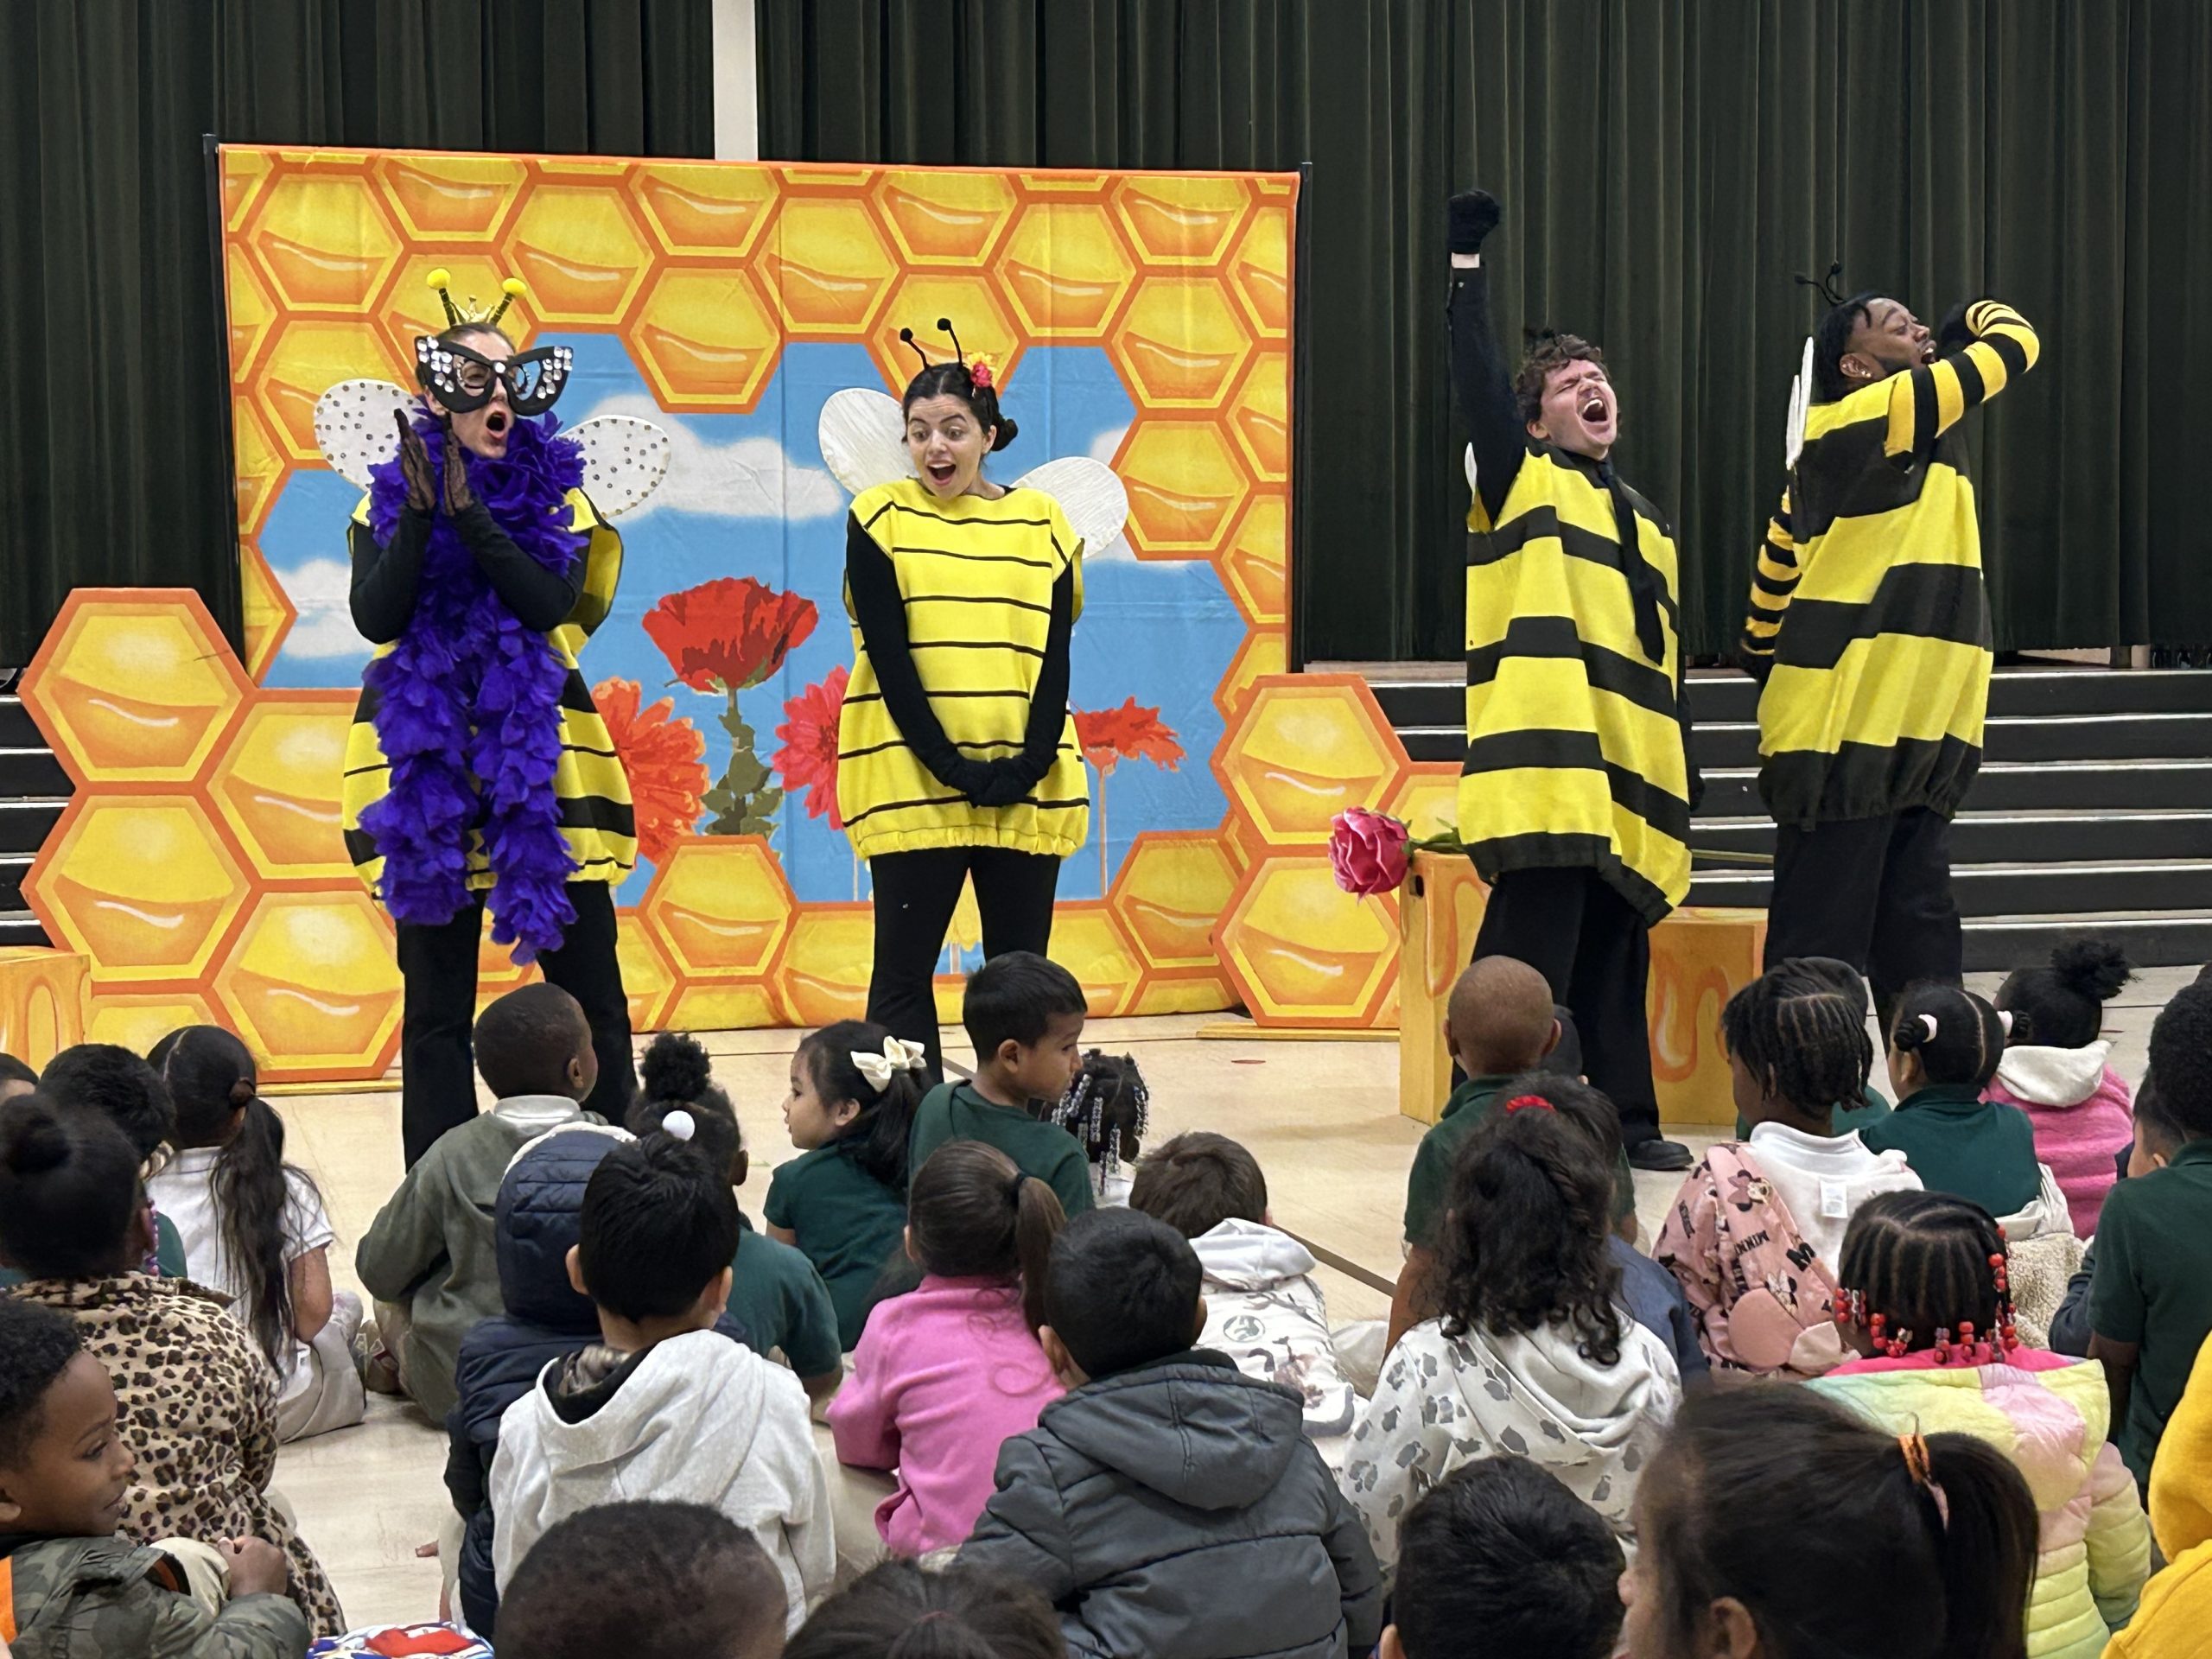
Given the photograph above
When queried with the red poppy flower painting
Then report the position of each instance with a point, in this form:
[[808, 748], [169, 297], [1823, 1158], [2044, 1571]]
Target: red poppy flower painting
[[729, 633], [1109, 736], [662, 755], [808, 759]]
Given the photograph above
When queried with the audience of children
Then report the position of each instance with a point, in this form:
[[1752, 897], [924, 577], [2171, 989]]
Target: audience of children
[[946, 1373], [1107, 1109], [108, 1078], [664, 1405], [253, 1228], [1170, 1505], [1024, 1015], [1530, 1355], [430, 1259], [900, 1611], [196, 1400], [1929, 1312], [843, 1201], [2054, 1069], [1828, 972], [69, 1584], [1263, 1308]]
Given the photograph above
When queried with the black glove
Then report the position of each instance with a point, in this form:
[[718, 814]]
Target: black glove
[[460, 498], [1475, 214], [415, 466], [1952, 334]]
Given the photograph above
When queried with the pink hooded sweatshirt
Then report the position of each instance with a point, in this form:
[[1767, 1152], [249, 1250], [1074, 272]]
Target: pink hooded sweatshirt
[[2082, 1114]]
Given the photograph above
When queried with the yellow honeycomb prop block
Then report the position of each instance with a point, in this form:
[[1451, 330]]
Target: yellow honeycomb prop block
[[1303, 749], [1301, 951], [42, 1002]]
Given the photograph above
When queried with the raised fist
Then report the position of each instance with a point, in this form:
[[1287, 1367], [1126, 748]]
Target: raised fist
[[415, 465], [1475, 214]]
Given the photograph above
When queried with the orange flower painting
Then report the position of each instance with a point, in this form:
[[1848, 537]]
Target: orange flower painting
[[730, 633], [663, 756], [1109, 736]]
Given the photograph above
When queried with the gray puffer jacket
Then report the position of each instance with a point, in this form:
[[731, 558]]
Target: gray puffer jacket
[[1178, 1511]]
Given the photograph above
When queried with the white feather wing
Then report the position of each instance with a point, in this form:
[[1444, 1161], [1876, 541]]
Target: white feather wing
[[1090, 494], [863, 439], [1800, 396], [624, 461], [354, 428]]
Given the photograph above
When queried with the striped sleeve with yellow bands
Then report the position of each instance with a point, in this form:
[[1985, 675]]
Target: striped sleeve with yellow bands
[[1927, 402], [1774, 578]]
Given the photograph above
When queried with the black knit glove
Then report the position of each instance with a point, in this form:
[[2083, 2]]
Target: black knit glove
[[1475, 214], [1952, 334]]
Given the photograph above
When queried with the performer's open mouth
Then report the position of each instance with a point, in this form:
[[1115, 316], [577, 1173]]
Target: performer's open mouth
[[496, 424], [1928, 353], [1594, 412], [942, 471]]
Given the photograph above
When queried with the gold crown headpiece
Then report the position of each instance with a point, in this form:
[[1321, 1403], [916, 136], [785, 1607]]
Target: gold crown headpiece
[[458, 316]]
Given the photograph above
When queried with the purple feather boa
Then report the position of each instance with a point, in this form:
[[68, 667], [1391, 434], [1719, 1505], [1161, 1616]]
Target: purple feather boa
[[470, 709]]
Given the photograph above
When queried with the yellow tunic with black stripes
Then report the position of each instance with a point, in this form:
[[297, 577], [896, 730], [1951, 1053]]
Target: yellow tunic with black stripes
[[977, 579], [1867, 595], [594, 792], [1574, 749]]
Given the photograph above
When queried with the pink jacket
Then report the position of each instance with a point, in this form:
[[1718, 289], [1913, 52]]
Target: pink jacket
[[940, 1379], [2082, 1113]]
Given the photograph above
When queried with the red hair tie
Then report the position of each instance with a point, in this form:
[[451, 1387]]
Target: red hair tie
[[1529, 1103]]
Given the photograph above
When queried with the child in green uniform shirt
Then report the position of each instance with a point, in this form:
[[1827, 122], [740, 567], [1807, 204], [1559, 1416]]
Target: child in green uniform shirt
[[843, 1200], [1024, 1015], [1944, 1046]]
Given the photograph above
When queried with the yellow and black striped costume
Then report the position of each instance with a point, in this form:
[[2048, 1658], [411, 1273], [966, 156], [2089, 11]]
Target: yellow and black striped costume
[[594, 792], [968, 644], [1867, 596]]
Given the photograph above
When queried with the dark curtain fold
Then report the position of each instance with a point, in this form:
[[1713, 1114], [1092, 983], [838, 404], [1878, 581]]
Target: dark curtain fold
[[114, 458], [1666, 167]]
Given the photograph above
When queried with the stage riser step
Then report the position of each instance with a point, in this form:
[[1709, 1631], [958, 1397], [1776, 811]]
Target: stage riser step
[[17, 730], [24, 825], [1995, 946], [2182, 786], [26, 771], [2049, 890], [2023, 839]]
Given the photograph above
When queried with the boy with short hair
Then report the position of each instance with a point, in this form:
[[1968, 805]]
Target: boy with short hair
[[711, 1592], [428, 1258], [664, 1405], [1502, 1557], [67, 1584], [1023, 1014], [1169, 1505], [1263, 1308]]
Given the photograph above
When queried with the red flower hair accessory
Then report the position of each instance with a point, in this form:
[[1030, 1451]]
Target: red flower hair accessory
[[1529, 1103], [980, 372]]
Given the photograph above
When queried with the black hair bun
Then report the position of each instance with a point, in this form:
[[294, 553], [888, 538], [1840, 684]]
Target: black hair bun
[[1007, 430], [32, 1138], [2096, 969], [675, 1067]]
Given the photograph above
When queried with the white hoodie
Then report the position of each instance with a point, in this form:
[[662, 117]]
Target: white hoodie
[[701, 1420], [1264, 1311], [2053, 1077]]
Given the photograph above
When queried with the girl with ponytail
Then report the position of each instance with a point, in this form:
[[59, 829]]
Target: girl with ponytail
[[1530, 1355], [944, 1375], [2055, 1069], [254, 1228]]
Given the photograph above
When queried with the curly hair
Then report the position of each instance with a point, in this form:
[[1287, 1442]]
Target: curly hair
[[1548, 351], [2062, 1005], [1800, 1037], [2181, 1059]]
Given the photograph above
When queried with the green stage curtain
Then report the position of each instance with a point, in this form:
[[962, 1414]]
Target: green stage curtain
[[1666, 166], [114, 455]]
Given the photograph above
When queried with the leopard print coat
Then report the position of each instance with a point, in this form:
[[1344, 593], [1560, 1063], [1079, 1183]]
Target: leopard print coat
[[197, 1402]]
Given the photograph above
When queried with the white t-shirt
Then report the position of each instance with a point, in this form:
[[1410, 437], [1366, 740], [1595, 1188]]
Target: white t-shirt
[[185, 1193], [1824, 1179]]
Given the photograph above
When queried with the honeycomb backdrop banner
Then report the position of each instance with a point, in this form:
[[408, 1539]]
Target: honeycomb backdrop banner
[[1143, 319]]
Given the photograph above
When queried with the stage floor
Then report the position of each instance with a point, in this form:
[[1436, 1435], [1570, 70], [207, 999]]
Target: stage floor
[[1320, 1116]]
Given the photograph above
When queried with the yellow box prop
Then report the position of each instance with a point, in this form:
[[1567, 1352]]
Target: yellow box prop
[[42, 1002]]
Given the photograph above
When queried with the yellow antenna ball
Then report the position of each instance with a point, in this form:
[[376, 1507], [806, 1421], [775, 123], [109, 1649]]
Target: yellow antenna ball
[[439, 278], [514, 287]]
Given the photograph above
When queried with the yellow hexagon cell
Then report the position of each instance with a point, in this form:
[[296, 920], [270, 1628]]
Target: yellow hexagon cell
[[134, 689], [249, 308], [576, 247], [42, 1002], [705, 341], [1060, 184], [1169, 895], [1181, 343], [1302, 951], [699, 209], [259, 463], [138, 1020], [827, 267], [1067, 269], [313, 985], [1264, 653], [1259, 416], [1305, 747], [451, 197], [940, 218], [1183, 220], [323, 241], [648, 977], [277, 783], [1259, 271], [1427, 800], [1184, 994], [142, 884], [1090, 943], [810, 179], [266, 611], [310, 357], [1255, 567], [825, 968], [1185, 487], [724, 1008], [244, 173], [720, 906], [412, 307], [972, 303]]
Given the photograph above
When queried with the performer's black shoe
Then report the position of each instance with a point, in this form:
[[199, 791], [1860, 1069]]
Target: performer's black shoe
[[1657, 1154]]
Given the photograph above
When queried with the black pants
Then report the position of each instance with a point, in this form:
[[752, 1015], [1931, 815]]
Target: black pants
[[1874, 892], [1574, 928], [437, 966], [915, 893]]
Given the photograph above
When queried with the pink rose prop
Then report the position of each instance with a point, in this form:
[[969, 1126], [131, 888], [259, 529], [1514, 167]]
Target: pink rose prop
[[1367, 851]]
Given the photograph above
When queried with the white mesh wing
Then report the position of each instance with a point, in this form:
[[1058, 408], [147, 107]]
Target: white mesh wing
[[354, 428], [1089, 493], [624, 461], [863, 439], [1800, 396]]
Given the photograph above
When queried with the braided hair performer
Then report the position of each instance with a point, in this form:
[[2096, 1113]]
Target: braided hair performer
[[1869, 625], [1576, 794], [478, 771]]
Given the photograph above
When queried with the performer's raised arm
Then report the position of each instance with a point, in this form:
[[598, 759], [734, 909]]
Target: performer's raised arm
[[1993, 343], [1482, 381]]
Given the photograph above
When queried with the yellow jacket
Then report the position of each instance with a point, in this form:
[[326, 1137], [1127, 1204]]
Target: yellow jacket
[[2175, 1618]]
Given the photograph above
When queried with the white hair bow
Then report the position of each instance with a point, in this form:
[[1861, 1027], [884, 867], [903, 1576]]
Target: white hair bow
[[899, 1055]]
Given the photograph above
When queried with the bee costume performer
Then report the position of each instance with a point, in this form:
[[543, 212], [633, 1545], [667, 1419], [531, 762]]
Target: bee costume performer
[[478, 772]]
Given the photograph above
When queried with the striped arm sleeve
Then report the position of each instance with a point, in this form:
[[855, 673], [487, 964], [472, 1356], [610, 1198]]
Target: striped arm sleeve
[[1774, 579], [1927, 402]]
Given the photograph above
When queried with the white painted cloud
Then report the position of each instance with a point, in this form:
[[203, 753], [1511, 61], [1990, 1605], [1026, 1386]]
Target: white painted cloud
[[1104, 446], [319, 591], [749, 478]]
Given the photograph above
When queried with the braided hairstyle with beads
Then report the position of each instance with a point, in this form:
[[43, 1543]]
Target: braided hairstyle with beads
[[1802, 1037], [1922, 1270]]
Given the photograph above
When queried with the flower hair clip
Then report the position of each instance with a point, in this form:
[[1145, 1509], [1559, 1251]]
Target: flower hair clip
[[981, 373], [899, 1055], [1529, 1103]]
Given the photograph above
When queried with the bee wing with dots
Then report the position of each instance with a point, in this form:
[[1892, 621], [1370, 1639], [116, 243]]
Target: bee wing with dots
[[354, 428], [863, 439], [624, 461], [1089, 493]]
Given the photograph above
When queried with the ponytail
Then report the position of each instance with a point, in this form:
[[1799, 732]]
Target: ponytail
[[1959, 1037], [885, 1122], [974, 1215], [1986, 1536], [1038, 1219]]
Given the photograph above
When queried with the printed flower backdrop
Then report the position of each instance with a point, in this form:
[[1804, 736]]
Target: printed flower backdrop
[[1110, 736], [668, 781]]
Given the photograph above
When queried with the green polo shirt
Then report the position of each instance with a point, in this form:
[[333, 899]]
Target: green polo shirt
[[2153, 1286], [847, 1224], [1472, 1104], [778, 1296], [1959, 1143], [954, 1111], [1842, 1120]]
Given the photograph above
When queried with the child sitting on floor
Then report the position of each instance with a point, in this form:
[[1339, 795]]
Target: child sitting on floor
[[1755, 1232], [1531, 1355], [1170, 1505], [1106, 1109], [1924, 1281], [776, 1295], [842, 1200], [664, 1405], [430, 1259], [254, 1228], [903, 1610], [109, 1079], [68, 1584], [1263, 1308], [2054, 1069], [945, 1374]]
